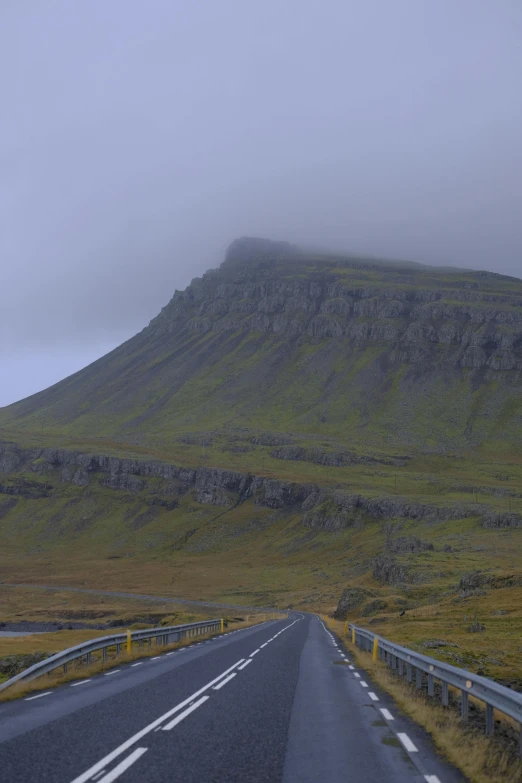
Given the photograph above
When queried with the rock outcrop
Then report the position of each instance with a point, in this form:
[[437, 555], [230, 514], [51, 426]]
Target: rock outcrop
[[323, 509], [351, 599], [388, 571]]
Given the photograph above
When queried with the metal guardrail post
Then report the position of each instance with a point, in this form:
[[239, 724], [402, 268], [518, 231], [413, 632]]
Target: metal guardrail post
[[464, 705], [445, 694], [431, 685], [489, 720], [418, 678]]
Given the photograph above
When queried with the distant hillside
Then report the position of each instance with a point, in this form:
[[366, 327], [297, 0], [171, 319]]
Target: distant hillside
[[279, 341]]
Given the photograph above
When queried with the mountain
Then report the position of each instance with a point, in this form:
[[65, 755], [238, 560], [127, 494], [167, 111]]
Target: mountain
[[290, 425], [357, 352]]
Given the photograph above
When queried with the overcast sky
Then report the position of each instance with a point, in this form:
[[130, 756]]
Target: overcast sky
[[139, 137]]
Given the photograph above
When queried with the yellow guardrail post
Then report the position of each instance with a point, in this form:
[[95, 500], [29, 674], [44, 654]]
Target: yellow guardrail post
[[129, 641], [375, 648], [222, 625], [353, 635], [345, 629]]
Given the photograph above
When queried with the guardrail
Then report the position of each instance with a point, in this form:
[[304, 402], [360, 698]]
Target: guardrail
[[418, 667], [163, 636]]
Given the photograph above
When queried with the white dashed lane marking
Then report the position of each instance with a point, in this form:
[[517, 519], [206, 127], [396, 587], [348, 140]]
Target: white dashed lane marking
[[387, 714], [408, 744], [372, 696], [224, 682], [184, 714], [38, 696], [122, 766]]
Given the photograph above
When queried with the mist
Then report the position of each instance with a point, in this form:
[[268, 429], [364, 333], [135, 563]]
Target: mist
[[139, 138]]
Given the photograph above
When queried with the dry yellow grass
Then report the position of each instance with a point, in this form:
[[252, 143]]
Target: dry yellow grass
[[482, 759], [81, 671]]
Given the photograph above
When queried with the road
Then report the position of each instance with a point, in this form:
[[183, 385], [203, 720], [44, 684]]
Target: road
[[280, 701], [138, 596]]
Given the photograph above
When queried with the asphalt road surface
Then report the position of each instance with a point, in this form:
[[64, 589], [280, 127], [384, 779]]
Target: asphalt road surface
[[275, 702]]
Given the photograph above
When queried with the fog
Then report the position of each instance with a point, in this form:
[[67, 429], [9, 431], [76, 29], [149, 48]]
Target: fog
[[137, 139]]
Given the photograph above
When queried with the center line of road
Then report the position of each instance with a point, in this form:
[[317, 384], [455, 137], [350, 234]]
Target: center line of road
[[254, 653], [38, 696], [244, 664], [122, 766], [92, 771], [263, 645], [82, 682], [224, 682], [184, 714]]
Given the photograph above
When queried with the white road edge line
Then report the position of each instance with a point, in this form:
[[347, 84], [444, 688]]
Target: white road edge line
[[224, 682], [114, 671], [355, 674], [387, 714], [373, 696], [140, 663], [186, 712], [38, 696], [123, 765], [431, 779], [364, 684], [82, 682], [408, 744], [89, 773]]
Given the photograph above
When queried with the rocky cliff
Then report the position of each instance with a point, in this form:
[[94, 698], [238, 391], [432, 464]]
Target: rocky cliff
[[468, 319], [37, 473]]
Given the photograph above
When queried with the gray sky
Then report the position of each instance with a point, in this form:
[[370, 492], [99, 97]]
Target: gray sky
[[139, 137]]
